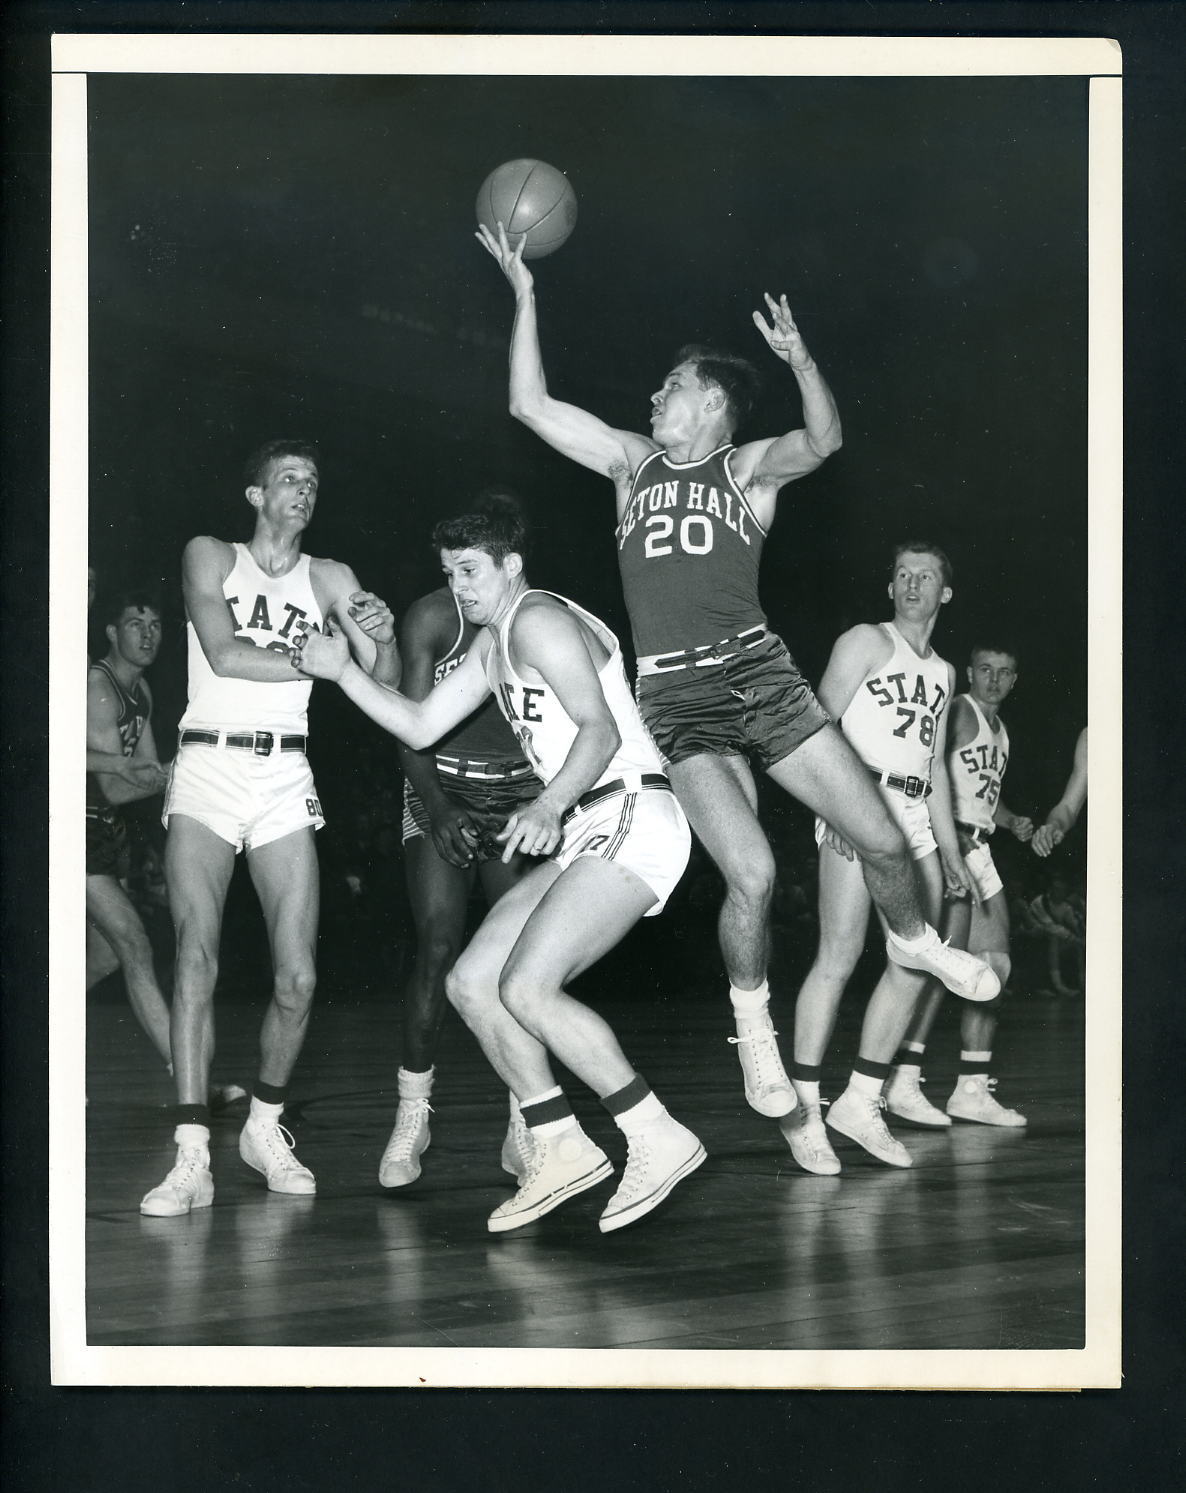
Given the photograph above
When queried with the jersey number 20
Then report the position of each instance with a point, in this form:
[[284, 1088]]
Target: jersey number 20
[[662, 525]]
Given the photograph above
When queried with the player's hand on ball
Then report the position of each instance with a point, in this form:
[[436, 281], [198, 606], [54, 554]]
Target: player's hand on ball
[[319, 655], [535, 830], [783, 337], [510, 260], [373, 616]]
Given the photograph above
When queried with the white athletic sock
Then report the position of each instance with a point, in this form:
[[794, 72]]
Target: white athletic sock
[[910, 1055], [260, 1110], [640, 1115], [415, 1085], [979, 1061], [187, 1136], [912, 945], [550, 1128], [747, 1003]]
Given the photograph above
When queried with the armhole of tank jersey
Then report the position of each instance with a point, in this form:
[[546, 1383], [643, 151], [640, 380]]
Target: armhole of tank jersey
[[460, 634], [727, 463], [642, 466]]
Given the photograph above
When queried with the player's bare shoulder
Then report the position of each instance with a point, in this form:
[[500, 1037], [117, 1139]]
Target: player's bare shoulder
[[332, 581]]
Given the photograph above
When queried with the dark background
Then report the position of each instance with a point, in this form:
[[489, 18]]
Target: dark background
[[282, 256], [95, 1439]]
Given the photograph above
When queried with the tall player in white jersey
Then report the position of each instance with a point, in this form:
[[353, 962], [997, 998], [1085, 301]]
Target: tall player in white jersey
[[612, 842], [241, 781], [977, 756], [890, 691], [717, 689]]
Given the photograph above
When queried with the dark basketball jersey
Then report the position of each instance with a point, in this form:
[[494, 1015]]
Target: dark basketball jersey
[[688, 550], [133, 715], [484, 734]]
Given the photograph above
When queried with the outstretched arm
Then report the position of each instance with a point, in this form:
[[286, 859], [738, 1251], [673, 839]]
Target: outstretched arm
[[781, 459], [571, 431], [418, 723], [1066, 811]]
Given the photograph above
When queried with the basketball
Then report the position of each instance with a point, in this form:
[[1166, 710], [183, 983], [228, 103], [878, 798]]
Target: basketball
[[533, 201]]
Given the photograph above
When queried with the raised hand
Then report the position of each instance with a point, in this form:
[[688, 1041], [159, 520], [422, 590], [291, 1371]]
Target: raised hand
[[319, 655], [783, 337], [510, 261]]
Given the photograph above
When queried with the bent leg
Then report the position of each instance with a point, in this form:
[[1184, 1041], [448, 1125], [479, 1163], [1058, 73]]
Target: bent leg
[[989, 938], [284, 873], [828, 776], [198, 867], [897, 993], [111, 911], [519, 1058], [719, 797], [588, 909], [101, 958]]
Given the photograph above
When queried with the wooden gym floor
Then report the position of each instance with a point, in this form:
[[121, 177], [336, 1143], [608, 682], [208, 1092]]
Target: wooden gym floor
[[980, 1245]]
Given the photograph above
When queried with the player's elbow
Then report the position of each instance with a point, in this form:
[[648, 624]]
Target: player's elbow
[[828, 442]]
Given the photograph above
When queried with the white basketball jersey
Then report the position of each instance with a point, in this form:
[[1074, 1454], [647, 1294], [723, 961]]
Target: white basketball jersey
[[892, 719], [977, 771], [545, 730], [264, 610]]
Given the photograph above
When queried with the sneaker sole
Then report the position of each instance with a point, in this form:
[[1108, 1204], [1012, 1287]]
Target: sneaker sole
[[877, 1155], [652, 1200], [159, 1212], [923, 968], [502, 1225], [980, 1120], [942, 1122]]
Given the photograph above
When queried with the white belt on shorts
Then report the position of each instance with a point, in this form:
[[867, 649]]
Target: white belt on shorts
[[705, 656]]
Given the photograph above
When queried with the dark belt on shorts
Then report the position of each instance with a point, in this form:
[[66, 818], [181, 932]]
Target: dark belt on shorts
[[911, 787], [710, 653], [975, 832], [262, 743], [608, 790]]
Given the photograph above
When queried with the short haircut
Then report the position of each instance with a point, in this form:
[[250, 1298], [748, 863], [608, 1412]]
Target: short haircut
[[737, 378], [256, 464], [138, 598], [495, 524], [924, 547], [1005, 648]]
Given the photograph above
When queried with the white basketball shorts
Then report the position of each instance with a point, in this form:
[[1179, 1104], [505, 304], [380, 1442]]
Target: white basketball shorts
[[645, 830], [245, 799]]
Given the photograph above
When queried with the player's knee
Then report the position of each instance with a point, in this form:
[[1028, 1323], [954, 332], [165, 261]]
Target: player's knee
[[519, 994], [1000, 964], [466, 990], [750, 879], [294, 986], [196, 967], [437, 950]]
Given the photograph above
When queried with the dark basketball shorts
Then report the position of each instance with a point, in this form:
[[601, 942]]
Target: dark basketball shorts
[[753, 704], [492, 790], [107, 850]]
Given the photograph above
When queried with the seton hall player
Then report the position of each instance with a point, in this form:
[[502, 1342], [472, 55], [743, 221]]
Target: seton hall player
[[977, 756], [716, 688], [241, 781], [615, 843]]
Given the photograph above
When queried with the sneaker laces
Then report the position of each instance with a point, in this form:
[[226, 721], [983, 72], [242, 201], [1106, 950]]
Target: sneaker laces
[[634, 1176], [189, 1160], [762, 1050], [407, 1122], [279, 1145]]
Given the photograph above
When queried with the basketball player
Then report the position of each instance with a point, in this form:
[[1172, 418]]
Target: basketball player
[[890, 691], [611, 843], [977, 756], [716, 687], [118, 724], [457, 796], [1062, 817], [241, 781]]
